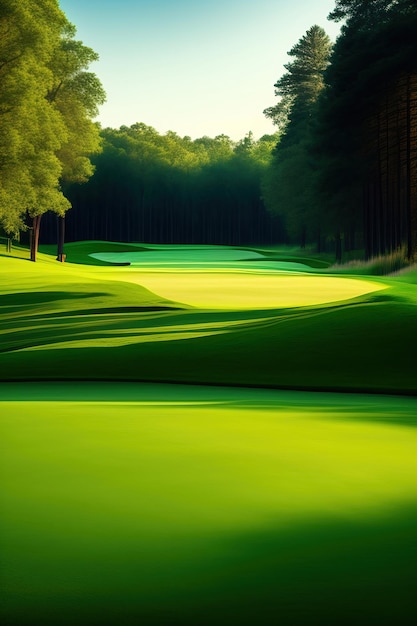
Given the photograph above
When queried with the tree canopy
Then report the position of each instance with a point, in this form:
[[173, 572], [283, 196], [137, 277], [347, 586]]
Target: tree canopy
[[166, 188], [288, 184], [345, 171], [341, 170], [47, 102], [367, 126], [31, 131]]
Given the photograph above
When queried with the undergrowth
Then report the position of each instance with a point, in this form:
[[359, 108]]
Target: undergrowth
[[382, 265]]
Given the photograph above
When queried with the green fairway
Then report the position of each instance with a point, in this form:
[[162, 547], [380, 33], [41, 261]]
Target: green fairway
[[233, 290], [244, 325], [152, 504], [128, 503]]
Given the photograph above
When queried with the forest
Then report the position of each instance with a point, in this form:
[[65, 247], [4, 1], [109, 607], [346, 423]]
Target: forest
[[339, 174], [168, 189]]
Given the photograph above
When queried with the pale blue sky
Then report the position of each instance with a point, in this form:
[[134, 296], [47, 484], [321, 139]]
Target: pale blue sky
[[197, 67]]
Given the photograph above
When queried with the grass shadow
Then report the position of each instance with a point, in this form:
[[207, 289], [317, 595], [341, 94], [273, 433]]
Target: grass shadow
[[322, 572]]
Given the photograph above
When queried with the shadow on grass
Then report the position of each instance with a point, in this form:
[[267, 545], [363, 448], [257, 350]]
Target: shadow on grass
[[79, 253], [30, 298], [321, 573]]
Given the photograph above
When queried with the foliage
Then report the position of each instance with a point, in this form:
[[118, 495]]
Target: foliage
[[288, 184], [31, 131], [167, 188], [381, 265], [368, 14], [46, 104], [367, 124], [76, 94], [345, 171]]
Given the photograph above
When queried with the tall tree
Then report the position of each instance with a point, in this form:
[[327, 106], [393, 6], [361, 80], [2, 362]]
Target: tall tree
[[288, 184], [367, 14], [47, 102], [303, 80], [367, 134], [31, 131], [76, 94], [171, 189]]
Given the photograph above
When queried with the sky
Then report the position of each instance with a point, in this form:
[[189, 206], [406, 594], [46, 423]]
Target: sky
[[196, 67]]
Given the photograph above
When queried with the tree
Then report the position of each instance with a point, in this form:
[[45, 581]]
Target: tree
[[368, 14], [288, 183], [367, 131], [279, 113], [304, 79], [170, 189], [76, 94], [30, 130], [47, 102]]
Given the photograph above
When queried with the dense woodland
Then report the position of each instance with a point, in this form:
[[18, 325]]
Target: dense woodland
[[168, 189], [340, 173], [350, 132]]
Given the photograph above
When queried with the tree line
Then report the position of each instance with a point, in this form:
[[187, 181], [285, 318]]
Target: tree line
[[345, 171], [164, 188], [340, 172]]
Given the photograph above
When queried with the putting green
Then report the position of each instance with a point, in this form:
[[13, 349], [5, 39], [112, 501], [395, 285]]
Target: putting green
[[216, 277], [157, 504], [248, 290], [207, 288], [180, 255]]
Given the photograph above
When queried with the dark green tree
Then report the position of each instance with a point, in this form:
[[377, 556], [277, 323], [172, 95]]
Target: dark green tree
[[367, 131], [289, 182], [172, 189]]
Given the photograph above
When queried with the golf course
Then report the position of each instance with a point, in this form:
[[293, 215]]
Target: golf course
[[206, 435]]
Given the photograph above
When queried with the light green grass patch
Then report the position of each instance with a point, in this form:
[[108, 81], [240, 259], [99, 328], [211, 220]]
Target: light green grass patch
[[208, 504], [122, 330], [205, 277], [248, 290]]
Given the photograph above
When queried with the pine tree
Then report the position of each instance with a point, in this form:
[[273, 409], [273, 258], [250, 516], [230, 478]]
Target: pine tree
[[367, 135], [288, 184]]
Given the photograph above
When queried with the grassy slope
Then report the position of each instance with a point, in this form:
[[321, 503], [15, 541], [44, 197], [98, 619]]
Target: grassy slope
[[69, 321], [206, 506], [213, 506]]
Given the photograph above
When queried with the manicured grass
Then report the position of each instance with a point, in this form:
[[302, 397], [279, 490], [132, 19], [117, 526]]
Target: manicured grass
[[133, 504], [72, 321], [240, 290], [170, 505], [80, 252]]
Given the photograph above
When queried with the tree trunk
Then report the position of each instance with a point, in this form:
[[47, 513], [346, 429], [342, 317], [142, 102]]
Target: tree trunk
[[34, 237], [411, 171], [61, 237]]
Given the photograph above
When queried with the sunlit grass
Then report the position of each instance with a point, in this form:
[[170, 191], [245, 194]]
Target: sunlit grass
[[162, 501], [148, 505], [206, 277], [247, 327], [226, 290], [200, 469], [203, 289]]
